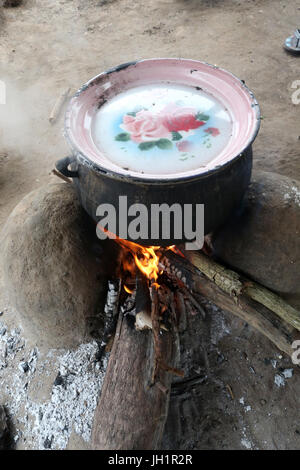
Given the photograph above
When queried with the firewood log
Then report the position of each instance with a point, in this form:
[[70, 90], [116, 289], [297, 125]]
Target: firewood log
[[132, 411], [229, 291]]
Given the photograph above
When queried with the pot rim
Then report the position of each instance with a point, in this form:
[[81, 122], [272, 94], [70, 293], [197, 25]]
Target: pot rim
[[83, 159], [158, 182]]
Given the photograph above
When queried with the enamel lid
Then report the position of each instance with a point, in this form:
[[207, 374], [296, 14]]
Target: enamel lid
[[162, 119]]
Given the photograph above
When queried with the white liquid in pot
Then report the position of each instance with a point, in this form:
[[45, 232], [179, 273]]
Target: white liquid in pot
[[161, 129]]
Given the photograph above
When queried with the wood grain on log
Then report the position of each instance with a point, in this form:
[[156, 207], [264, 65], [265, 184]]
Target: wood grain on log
[[131, 413], [234, 284]]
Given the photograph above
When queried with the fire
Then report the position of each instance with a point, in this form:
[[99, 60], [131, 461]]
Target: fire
[[176, 250], [129, 291], [147, 262], [146, 259]]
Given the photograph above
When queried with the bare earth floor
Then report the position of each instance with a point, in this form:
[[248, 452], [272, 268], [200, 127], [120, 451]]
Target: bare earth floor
[[249, 397]]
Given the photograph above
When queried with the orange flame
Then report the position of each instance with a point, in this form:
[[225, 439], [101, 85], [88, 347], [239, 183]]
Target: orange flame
[[176, 250], [147, 262], [129, 291], [146, 258]]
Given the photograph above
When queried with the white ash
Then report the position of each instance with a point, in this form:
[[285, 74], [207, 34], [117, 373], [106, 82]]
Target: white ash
[[279, 380], [73, 400], [294, 195], [246, 407], [219, 327], [246, 443], [3, 356], [10, 344], [274, 363], [12, 341], [287, 373], [74, 393], [246, 440]]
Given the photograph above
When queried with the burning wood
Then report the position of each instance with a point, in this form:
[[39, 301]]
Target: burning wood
[[139, 375], [147, 260], [134, 401], [111, 311], [160, 287]]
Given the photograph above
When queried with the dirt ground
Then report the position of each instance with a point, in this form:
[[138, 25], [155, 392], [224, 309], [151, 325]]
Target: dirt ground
[[50, 45]]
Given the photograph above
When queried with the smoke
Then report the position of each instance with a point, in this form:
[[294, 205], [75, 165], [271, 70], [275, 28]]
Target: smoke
[[32, 83], [37, 65], [23, 117]]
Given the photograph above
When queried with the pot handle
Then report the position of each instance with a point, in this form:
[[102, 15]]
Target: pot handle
[[62, 167]]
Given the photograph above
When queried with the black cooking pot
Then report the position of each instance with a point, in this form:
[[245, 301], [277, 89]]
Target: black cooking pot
[[221, 191], [220, 187]]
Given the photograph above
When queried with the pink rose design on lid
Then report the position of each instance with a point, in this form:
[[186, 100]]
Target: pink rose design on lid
[[145, 126], [212, 131], [176, 118], [184, 146], [170, 128]]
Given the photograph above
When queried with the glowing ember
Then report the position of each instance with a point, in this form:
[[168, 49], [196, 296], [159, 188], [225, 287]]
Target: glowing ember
[[129, 291], [176, 250]]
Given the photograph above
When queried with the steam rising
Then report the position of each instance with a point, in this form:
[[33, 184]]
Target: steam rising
[[21, 119]]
